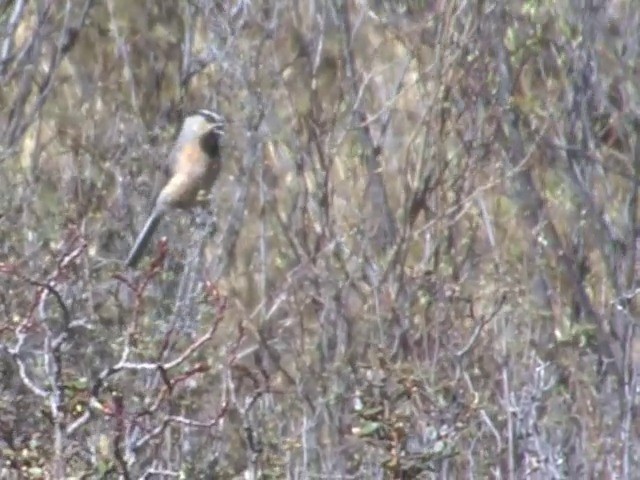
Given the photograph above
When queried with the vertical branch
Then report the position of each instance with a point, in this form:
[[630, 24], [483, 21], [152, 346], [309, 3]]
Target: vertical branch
[[237, 215], [384, 230], [65, 41], [6, 51], [531, 205]]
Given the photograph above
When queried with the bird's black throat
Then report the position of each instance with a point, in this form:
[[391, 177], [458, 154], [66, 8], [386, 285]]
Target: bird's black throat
[[210, 143]]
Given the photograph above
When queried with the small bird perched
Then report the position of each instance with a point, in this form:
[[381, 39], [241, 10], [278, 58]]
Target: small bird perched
[[194, 166]]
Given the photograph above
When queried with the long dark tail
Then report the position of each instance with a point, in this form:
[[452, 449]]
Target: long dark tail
[[143, 239]]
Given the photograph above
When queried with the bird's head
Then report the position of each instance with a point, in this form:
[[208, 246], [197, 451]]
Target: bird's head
[[208, 126]]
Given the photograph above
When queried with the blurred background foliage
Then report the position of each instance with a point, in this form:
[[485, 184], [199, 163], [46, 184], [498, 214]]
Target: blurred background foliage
[[420, 260]]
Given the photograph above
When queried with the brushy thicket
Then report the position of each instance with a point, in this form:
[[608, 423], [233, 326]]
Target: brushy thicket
[[420, 260]]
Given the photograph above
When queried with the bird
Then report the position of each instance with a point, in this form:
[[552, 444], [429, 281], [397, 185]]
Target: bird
[[194, 163]]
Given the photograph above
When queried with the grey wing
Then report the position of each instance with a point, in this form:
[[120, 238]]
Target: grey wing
[[164, 172]]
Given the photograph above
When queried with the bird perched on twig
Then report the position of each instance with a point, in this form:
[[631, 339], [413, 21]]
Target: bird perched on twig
[[194, 166]]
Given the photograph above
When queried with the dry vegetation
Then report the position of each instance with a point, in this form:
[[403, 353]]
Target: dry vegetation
[[421, 260]]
